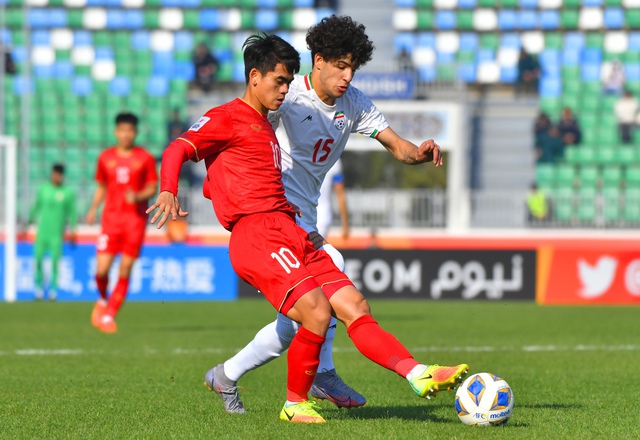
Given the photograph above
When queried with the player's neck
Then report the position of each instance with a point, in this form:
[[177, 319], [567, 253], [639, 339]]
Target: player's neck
[[314, 80], [124, 149], [253, 102]]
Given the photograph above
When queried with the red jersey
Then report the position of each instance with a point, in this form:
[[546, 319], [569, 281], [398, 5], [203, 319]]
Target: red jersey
[[242, 156], [121, 173]]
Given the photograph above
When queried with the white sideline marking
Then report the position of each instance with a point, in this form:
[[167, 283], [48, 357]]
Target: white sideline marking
[[192, 351]]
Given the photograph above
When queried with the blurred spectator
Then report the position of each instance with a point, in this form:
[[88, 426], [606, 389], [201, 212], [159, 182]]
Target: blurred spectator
[[542, 126], [206, 67], [405, 63], [176, 126], [626, 109], [9, 65], [528, 73], [613, 78], [569, 128], [538, 207], [550, 146], [331, 4]]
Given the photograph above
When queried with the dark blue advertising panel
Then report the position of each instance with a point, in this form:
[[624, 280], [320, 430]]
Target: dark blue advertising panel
[[439, 274], [385, 85], [163, 273]]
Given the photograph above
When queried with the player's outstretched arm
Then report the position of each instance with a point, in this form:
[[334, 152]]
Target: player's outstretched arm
[[167, 206], [407, 152]]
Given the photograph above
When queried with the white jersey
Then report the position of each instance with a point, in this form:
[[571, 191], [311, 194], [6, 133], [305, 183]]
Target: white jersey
[[312, 136], [325, 213]]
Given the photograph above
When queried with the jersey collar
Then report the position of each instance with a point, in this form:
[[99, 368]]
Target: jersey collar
[[307, 82]]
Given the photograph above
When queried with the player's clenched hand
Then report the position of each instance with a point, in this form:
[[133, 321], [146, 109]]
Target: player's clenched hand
[[430, 151], [168, 206], [296, 209]]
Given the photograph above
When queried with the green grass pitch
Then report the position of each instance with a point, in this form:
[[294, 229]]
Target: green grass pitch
[[573, 371]]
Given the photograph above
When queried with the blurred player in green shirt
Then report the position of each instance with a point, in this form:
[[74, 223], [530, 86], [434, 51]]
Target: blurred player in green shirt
[[55, 207]]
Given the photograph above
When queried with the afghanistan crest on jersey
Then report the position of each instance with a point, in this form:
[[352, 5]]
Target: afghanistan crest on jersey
[[338, 120]]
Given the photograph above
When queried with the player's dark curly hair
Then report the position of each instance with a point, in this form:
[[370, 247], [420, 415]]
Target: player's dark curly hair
[[263, 52], [337, 36]]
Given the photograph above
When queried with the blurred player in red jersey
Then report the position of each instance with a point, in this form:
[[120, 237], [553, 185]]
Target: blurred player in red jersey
[[126, 175], [267, 248]]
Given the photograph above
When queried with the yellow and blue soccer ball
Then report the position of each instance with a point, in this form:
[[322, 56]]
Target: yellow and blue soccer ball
[[484, 399]]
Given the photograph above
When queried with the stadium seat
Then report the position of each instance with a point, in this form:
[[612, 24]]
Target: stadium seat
[[563, 204], [549, 20], [545, 175], [565, 176], [611, 211], [589, 176], [611, 177], [587, 205], [631, 210], [507, 19]]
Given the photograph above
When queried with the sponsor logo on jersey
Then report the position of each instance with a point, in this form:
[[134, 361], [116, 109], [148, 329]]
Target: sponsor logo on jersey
[[256, 127], [199, 123], [308, 118], [339, 120]]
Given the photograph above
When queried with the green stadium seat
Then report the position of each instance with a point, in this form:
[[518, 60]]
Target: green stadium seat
[[611, 176], [588, 176], [586, 155], [607, 136], [465, 20], [590, 134], [551, 106], [425, 19], [545, 175], [608, 157], [631, 56], [613, 2], [611, 204], [593, 92], [563, 205], [632, 176], [624, 156], [632, 18], [587, 205], [569, 18], [631, 211], [424, 3], [191, 19], [594, 40], [571, 101], [565, 175], [490, 41]]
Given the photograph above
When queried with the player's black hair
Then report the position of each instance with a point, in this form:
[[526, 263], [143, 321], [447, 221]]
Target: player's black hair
[[127, 118], [337, 36], [263, 52], [58, 168]]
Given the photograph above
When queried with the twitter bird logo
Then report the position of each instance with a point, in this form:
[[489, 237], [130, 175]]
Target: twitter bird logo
[[596, 279]]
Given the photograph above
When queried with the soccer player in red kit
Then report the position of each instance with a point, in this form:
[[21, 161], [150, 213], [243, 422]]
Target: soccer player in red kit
[[267, 248], [127, 177]]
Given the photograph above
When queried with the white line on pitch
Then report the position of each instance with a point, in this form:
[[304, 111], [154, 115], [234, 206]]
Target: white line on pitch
[[196, 351]]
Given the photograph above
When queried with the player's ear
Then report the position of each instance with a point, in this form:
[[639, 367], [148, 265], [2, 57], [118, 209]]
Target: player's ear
[[254, 76], [318, 60]]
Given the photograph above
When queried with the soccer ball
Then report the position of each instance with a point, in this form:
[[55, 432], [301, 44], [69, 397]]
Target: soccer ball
[[484, 399]]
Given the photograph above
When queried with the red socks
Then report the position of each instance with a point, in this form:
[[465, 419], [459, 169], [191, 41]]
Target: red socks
[[117, 296], [302, 360], [380, 346], [102, 283]]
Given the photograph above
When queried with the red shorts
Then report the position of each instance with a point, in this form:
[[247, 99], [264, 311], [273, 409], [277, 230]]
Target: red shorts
[[126, 239], [274, 255]]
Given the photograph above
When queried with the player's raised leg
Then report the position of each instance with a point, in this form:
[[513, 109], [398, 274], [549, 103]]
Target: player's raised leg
[[384, 349]]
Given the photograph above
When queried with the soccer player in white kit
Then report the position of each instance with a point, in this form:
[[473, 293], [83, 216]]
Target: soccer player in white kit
[[313, 126]]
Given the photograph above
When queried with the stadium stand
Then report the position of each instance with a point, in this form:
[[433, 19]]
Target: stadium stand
[[91, 59], [576, 42]]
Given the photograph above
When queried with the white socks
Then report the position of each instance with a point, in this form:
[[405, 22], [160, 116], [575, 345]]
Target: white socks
[[416, 371]]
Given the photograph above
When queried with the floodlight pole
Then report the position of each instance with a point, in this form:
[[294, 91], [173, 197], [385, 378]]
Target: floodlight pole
[[10, 214]]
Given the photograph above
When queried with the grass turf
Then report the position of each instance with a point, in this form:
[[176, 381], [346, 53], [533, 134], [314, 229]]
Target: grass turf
[[572, 370]]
